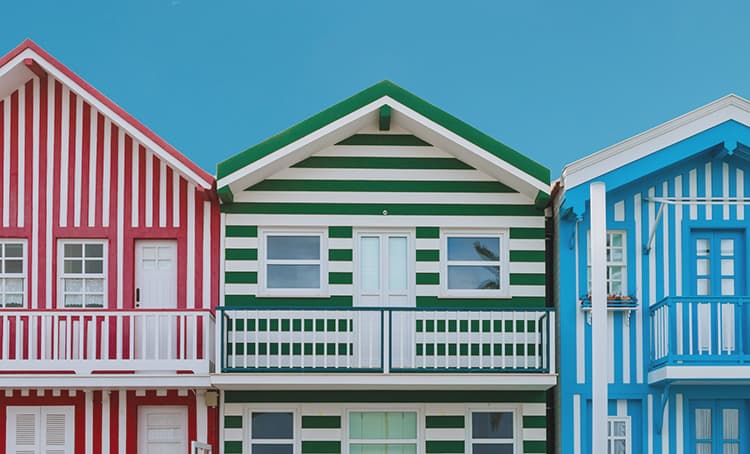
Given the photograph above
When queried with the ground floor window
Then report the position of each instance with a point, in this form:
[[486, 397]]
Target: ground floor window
[[38, 430], [271, 432], [618, 435], [492, 432], [382, 432]]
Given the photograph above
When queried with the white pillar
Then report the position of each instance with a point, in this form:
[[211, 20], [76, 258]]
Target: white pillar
[[599, 327]]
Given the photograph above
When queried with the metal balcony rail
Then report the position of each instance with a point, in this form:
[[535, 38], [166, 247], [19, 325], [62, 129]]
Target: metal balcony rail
[[386, 340]]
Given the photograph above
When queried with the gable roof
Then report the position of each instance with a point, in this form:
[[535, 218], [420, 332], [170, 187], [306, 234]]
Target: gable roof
[[334, 123], [728, 108], [28, 59]]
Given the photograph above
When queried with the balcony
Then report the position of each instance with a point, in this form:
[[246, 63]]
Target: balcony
[[699, 338], [96, 343], [385, 345]]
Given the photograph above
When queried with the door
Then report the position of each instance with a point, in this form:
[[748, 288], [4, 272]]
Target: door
[[40, 430], [718, 427], [162, 430], [156, 288]]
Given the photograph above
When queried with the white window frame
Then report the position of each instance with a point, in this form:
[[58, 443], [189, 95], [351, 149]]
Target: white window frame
[[22, 275], [411, 262], [503, 263], [62, 275], [263, 261], [611, 437], [247, 439], [623, 263], [516, 410], [42, 411], [383, 408]]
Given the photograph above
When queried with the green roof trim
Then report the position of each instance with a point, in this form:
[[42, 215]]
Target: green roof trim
[[225, 194], [384, 123], [542, 200], [377, 91]]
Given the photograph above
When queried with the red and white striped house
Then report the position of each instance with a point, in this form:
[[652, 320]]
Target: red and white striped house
[[109, 241]]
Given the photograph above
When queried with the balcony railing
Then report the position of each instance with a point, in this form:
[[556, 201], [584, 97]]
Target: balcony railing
[[386, 340], [97, 341], [694, 331]]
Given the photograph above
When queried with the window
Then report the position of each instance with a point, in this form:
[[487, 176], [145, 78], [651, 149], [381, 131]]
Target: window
[[12, 273], [616, 264], [292, 264], [383, 432], [492, 432], [37, 430], [475, 264], [384, 269], [618, 435], [272, 432], [83, 278]]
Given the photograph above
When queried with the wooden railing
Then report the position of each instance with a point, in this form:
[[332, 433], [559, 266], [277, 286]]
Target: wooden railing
[[86, 341], [387, 340]]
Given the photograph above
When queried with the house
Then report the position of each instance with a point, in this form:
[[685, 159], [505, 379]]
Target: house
[[109, 241], [676, 277], [383, 287]]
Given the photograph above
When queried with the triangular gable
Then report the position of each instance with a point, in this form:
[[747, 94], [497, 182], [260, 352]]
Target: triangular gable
[[426, 121], [28, 59]]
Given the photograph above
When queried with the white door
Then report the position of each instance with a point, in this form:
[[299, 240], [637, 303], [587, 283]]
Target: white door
[[40, 430], [384, 271], [156, 288], [162, 430]]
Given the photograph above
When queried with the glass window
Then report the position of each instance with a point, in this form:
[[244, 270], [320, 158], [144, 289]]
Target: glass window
[[618, 435], [12, 273], [271, 432], [293, 261], [383, 432], [492, 432], [475, 264], [616, 264], [83, 276]]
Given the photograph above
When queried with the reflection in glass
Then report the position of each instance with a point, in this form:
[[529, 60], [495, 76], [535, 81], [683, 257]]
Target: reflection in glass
[[293, 247], [473, 277], [293, 276]]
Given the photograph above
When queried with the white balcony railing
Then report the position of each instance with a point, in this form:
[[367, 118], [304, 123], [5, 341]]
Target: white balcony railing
[[91, 341]]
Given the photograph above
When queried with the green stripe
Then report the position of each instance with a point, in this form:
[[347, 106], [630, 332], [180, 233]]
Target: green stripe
[[321, 422], [321, 447], [444, 447], [534, 447], [241, 231], [241, 277], [241, 254], [233, 447], [527, 256], [378, 209], [381, 186], [428, 255], [252, 300], [339, 278], [428, 278], [444, 422], [340, 255], [499, 303], [370, 396], [534, 422], [339, 232], [527, 279], [530, 233], [428, 232], [406, 140], [354, 162], [233, 422]]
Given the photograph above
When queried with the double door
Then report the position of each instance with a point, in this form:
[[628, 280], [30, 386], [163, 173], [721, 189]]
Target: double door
[[718, 427]]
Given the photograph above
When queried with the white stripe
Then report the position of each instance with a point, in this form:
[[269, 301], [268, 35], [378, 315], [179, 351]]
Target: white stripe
[[650, 425], [527, 290], [149, 198], [252, 265], [21, 155], [371, 151], [611, 347], [249, 243], [122, 434], [134, 192], [577, 423], [522, 267], [35, 196], [725, 189], [201, 416], [335, 434], [622, 408], [93, 188], [50, 187], [6, 162], [120, 212], [190, 245], [78, 190], [709, 208], [382, 197], [678, 424], [665, 429], [222, 259], [637, 214], [580, 352], [105, 421], [207, 255], [175, 199], [372, 221], [539, 434], [89, 409], [162, 193], [693, 185], [652, 255], [297, 173], [64, 152], [106, 178], [625, 347], [740, 194], [665, 241], [678, 213]]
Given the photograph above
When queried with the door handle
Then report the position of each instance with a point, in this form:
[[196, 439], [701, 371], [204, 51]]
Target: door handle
[[137, 296]]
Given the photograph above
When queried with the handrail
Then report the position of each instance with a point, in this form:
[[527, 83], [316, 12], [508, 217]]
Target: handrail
[[383, 308]]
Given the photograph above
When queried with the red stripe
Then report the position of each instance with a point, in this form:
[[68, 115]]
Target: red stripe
[[98, 205], [96, 428], [182, 277], [13, 158], [29, 155], [2, 158], [156, 198], [127, 219], [41, 262], [142, 156], [114, 421], [113, 221], [85, 163], [72, 163], [198, 240], [215, 253], [56, 145], [170, 196]]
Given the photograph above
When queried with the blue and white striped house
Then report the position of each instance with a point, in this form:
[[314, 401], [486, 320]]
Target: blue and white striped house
[[678, 337]]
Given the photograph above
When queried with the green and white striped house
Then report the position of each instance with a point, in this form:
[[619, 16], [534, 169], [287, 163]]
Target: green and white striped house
[[383, 287]]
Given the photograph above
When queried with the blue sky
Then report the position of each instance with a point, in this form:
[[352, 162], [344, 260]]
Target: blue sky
[[554, 80]]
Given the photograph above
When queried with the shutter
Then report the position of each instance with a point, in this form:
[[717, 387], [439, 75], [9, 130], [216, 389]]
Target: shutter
[[22, 430], [58, 430]]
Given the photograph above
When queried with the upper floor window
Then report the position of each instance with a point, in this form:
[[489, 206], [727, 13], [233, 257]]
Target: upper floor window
[[383, 431], [12, 273], [292, 263], [618, 435], [492, 432], [617, 264], [83, 280], [475, 264]]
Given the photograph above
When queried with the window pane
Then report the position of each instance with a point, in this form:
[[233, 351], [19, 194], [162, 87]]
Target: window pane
[[620, 446], [727, 267], [73, 266], [468, 248], [380, 448], [73, 300], [703, 424], [614, 240], [474, 277], [727, 247], [94, 250], [702, 247], [73, 285], [293, 247], [272, 426], [397, 263], [293, 276], [495, 448], [704, 287], [731, 448], [492, 425], [73, 250], [259, 448], [14, 285], [731, 423], [94, 300], [14, 266], [369, 262], [94, 267], [619, 428], [703, 266], [94, 285], [13, 250], [13, 300], [615, 255], [383, 425], [703, 448], [727, 287]]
